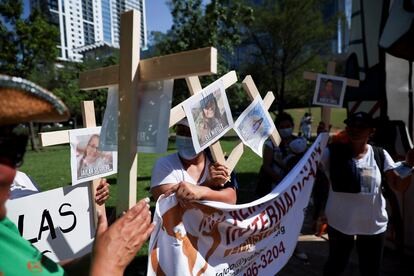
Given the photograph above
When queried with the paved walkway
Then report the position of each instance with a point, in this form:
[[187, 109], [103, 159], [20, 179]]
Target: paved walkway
[[394, 264]]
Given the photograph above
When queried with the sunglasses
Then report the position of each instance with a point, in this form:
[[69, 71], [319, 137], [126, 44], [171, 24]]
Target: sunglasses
[[12, 149]]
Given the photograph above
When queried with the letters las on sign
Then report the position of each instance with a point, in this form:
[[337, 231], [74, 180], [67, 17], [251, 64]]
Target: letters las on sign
[[58, 222]]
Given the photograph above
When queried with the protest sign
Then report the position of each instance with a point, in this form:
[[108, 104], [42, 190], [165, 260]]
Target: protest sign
[[209, 115], [58, 222], [254, 126], [214, 238], [156, 96], [329, 91], [87, 162]]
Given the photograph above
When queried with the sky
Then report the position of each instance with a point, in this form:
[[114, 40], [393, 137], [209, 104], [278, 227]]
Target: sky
[[157, 11]]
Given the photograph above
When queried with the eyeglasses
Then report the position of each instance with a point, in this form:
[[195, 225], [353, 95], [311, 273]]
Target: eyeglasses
[[12, 149]]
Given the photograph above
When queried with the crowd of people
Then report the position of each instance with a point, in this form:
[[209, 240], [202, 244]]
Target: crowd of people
[[352, 174]]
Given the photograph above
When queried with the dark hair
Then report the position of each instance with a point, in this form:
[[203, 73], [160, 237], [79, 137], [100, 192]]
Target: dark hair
[[283, 117]]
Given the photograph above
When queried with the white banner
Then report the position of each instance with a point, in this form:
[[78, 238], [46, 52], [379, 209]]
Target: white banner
[[58, 222], [213, 238]]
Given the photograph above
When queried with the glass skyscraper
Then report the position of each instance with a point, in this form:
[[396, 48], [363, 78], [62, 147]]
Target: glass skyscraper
[[88, 23]]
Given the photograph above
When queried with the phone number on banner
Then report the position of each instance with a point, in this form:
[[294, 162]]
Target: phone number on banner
[[265, 259]]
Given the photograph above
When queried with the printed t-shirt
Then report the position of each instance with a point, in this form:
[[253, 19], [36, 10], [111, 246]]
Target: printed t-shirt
[[20, 257], [359, 213]]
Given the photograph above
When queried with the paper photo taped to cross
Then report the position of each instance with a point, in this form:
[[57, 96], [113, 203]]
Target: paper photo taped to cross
[[329, 91], [209, 115], [87, 161], [254, 126]]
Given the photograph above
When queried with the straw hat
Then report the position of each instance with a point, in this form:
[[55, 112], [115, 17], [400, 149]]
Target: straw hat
[[23, 101]]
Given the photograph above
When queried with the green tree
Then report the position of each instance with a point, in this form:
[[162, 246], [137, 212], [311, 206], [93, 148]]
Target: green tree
[[25, 44], [218, 24], [287, 35]]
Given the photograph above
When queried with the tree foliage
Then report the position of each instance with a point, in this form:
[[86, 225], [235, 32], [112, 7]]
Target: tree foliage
[[25, 44], [218, 24], [287, 35]]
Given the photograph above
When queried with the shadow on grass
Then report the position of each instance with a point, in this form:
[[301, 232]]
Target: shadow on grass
[[113, 181]]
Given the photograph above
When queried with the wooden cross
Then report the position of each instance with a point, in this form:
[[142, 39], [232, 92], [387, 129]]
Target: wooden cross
[[60, 137], [330, 70], [127, 75], [251, 89]]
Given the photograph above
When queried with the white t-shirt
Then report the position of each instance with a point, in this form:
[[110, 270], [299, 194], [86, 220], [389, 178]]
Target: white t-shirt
[[169, 169], [359, 213], [22, 186]]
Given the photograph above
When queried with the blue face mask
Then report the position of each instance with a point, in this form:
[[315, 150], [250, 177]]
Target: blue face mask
[[285, 132], [185, 147]]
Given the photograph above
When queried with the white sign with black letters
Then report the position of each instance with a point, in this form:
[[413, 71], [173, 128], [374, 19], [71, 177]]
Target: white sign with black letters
[[59, 222]]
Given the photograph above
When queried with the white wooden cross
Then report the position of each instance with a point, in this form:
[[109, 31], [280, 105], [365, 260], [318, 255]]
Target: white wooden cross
[[127, 75], [330, 70], [60, 137], [249, 86]]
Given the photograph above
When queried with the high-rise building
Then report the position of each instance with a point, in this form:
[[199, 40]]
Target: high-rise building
[[88, 23], [120, 6]]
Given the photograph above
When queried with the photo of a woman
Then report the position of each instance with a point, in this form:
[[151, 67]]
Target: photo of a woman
[[91, 160], [210, 120], [87, 161]]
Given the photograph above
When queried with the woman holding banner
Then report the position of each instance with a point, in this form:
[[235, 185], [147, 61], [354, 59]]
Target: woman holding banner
[[357, 173], [192, 176]]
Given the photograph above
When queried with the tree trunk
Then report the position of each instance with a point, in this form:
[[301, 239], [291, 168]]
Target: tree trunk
[[32, 137], [282, 90]]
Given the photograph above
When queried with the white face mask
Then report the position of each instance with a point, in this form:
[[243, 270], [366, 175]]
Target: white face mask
[[185, 147], [286, 132]]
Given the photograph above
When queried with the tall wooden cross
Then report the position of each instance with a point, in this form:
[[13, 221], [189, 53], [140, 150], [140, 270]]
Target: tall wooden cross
[[127, 75], [60, 137], [330, 70]]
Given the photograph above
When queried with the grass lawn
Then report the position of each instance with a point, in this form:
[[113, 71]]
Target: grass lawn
[[338, 116]]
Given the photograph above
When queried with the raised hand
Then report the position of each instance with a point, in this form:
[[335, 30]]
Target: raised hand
[[116, 246]]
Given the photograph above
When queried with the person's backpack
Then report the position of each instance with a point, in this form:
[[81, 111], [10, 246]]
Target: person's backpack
[[344, 174], [379, 158]]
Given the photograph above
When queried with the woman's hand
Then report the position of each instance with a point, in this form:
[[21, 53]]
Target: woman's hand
[[218, 175], [185, 191], [102, 192], [116, 246]]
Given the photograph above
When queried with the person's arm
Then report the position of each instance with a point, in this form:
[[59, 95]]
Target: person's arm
[[189, 192], [115, 247], [395, 182], [393, 179], [267, 164], [157, 191]]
